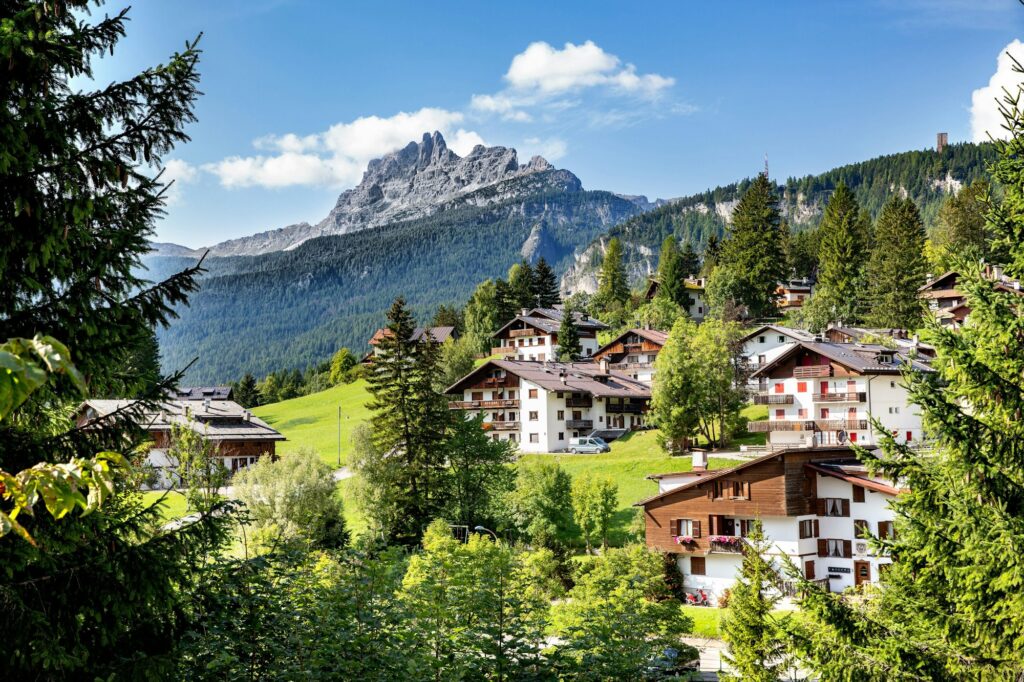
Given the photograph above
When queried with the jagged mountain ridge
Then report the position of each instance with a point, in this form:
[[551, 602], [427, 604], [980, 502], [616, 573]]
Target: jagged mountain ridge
[[414, 182], [926, 176]]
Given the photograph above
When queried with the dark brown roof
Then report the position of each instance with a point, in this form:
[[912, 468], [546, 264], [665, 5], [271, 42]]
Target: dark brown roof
[[843, 453], [653, 335], [439, 334], [583, 320], [571, 377], [860, 358]]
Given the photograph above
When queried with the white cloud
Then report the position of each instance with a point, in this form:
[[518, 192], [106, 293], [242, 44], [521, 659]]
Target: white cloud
[[552, 148], [338, 156], [180, 173], [985, 116], [552, 79]]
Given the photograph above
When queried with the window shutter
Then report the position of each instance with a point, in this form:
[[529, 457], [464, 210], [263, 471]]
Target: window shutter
[[822, 547], [847, 548], [673, 527], [696, 529], [746, 490], [846, 507], [858, 493], [820, 506], [817, 531]]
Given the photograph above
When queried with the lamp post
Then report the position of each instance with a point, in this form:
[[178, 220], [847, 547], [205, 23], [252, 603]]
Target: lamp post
[[501, 606]]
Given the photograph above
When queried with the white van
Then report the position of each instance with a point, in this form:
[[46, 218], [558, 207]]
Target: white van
[[590, 445]]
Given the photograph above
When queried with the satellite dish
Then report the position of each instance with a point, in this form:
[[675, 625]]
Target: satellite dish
[[841, 436]]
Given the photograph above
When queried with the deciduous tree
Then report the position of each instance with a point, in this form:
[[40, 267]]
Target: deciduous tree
[[594, 501]]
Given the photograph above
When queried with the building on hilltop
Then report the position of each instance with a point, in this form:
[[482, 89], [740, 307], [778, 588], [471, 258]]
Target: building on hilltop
[[240, 439], [634, 352], [694, 287], [436, 334], [533, 334], [793, 293], [541, 405], [821, 393], [815, 507]]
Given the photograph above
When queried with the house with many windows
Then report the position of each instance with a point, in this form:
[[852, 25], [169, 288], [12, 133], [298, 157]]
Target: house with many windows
[[533, 335], [239, 438], [816, 507], [763, 343], [821, 393], [948, 303], [541, 405], [634, 352], [792, 293]]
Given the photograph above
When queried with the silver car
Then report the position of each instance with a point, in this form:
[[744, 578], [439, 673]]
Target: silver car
[[590, 445]]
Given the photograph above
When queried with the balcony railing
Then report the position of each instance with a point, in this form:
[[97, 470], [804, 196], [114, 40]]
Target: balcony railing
[[579, 423], [500, 382], [579, 402], [841, 424], [631, 365], [843, 397], [811, 371], [764, 426], [791, 588], [504, 350], [481, 404], [773, 399], [499, 425], [516, 333], [728, 544], [620, 408]]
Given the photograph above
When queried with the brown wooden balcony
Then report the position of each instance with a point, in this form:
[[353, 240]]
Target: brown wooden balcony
[[841, 424], [510, 381], [767, 425], [773, 399], [504, 350], [812, 371], [843, 397], [482, 404], [500, 425], [579, 402], [624, 408], [579, 423], [730, 545], [631, 365], [516, 333]]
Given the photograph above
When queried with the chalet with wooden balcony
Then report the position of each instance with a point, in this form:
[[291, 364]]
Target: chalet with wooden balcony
[[792, 293], [816, 507], [949, 304], [694, 287], [421, 334], [533, 335], [541, 405], [634, 352], [239, 438], [821, 394]]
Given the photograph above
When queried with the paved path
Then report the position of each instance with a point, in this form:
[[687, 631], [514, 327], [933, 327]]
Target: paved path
[[710, 655], [343, 473]]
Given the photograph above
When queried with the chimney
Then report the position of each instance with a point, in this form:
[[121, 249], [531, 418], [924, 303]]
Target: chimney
[[206, 404], [584, 316], [603, 363], [524, 312], [699, 460]]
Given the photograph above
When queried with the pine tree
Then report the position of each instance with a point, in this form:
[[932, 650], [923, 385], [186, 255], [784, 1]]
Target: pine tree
[[672, 274], [507, 305], [245, 391], [447, 316], [756, 247], [545, 285], [897, 267], [962, 230], [520, 283], [840, 286], [613, 286], [712, 252], [952, 607], [689, 260], [408, 425], [756, 649], [102, 595], [569, 347]]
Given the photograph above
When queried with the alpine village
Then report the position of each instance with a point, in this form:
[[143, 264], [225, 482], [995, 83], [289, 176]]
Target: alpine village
[[481, 423]]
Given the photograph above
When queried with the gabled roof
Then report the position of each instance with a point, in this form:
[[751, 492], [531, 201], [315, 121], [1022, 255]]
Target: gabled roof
[[218, 421], [857, 357], [583, 321], [795, 334], [653, 335], [203, 393], [853, 472], [570, 377], [439, 334], [947, 278], [844, 453]]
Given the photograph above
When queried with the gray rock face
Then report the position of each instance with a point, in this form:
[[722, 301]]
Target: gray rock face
[[413, 182]]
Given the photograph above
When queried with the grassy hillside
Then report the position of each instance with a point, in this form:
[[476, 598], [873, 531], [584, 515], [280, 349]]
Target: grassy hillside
[[311, 421]]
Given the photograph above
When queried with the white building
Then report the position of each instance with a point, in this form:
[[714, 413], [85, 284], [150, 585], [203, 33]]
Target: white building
[[815, 508], [694, 287], [533, 335], [826, 394], [763, 343], [541, 405], [634, 352]]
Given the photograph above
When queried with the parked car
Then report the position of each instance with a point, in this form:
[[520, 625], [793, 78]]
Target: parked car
[[590, 445]]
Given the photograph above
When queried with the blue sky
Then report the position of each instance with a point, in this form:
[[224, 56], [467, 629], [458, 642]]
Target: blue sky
[[663, 99]]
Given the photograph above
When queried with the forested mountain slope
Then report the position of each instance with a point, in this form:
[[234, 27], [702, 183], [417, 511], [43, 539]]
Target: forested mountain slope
[[291, 308], [926, 176]]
